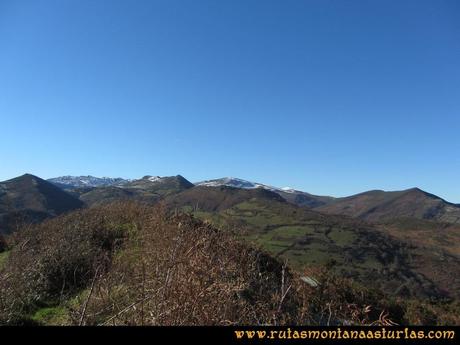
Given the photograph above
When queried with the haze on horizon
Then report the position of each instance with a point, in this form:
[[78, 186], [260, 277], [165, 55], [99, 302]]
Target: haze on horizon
[[328, 97]]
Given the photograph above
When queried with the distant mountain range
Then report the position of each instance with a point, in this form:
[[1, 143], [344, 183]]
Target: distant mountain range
[[374, 206], [86, 181], [32, 198], [148, 189], [368, 236]]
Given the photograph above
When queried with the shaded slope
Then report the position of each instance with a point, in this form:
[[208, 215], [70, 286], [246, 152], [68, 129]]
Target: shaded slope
[[30, 198]]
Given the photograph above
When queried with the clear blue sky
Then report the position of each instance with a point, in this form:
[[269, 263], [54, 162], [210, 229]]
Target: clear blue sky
[[330, 97]]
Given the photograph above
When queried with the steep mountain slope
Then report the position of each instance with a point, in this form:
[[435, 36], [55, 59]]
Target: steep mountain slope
[[30, 198], [378, 206], [69, 182], [291, 195]]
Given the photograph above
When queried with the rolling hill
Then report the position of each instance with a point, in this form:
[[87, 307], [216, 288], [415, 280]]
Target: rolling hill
[[212, 199], [306, 238], [381, 206]]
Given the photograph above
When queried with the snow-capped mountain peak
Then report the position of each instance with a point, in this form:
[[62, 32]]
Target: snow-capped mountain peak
[[229, 181], [87, 181]]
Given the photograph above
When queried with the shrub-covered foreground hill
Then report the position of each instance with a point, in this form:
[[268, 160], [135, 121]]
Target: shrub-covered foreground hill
[[133, 264]]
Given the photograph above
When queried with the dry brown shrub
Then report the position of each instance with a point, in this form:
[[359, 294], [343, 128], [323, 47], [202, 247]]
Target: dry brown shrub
[[133, 264], [338, 301], [58, 257], [176, 270], [139, 264]]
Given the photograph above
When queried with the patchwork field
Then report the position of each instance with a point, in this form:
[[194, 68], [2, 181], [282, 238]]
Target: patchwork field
[[349, 247]]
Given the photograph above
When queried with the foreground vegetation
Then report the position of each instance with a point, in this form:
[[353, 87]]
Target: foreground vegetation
[[133, 264]]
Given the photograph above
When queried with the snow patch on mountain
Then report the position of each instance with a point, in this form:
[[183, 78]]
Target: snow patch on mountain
[[289, 190], [154, 178], [240, 183], [87, 181]]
